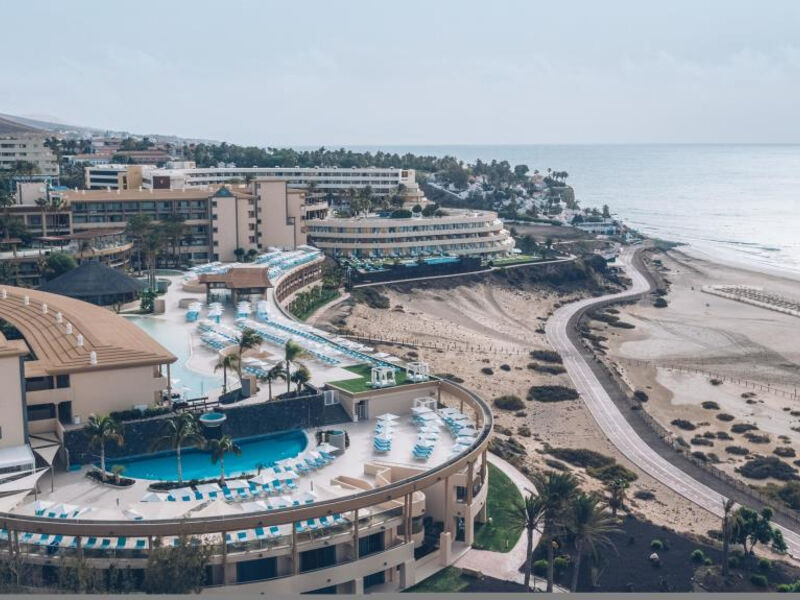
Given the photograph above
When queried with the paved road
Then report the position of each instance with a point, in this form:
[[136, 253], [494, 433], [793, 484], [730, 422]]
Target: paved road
[[710, 493]]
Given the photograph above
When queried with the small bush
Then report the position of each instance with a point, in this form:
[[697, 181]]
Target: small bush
[[560, 564], [614, 472], [505, 367], [684, 424], [487, 371], [640, 395], [715, 381], [509, 402], [757, 438], [764, 565], [520, 413], [371, 297], [644, 495], [524, 431], [758, 580], [700, 441], [785, 452], [733, 562], [700, 456], [737, 450], [709, 405], [656, 544], [556, 464], [743, 427], [698, 556], [724, 435], [660, 303], [546, 356], [725, 417], [552, 393], [549, 369]]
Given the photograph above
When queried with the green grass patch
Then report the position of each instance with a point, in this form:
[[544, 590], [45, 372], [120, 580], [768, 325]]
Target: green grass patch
[[362, 382], [518, 259], [502, 495], [448, 579]]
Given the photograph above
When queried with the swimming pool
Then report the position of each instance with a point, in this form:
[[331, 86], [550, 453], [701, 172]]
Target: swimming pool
[[262, 450], [174, 337]]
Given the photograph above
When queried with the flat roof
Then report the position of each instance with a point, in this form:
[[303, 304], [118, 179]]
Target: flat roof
[[117, 342], [237, 278]]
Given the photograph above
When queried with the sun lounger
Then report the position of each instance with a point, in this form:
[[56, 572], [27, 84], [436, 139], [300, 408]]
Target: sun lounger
[[300, 527]]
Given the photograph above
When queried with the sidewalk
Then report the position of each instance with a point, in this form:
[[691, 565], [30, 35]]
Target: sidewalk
[[505, 565]]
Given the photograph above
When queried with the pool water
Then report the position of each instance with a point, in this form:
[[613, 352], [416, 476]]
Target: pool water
[[196, 464], [174, 337]]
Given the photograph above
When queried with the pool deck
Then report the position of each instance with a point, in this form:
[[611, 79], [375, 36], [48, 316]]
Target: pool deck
[[108, 502]]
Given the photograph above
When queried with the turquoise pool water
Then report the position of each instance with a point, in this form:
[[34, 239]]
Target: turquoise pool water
[[173, 336], [196, 463]]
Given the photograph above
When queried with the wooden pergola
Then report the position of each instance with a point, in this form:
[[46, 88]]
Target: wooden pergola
[[241, 281]]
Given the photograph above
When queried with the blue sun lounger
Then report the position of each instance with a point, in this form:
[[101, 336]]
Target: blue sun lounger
[[275, 531]]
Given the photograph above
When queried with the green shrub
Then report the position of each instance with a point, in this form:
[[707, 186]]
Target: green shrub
[[733, 562], [549, 369], [758, 580], [540, 567], [769, 466], [785, 451], [615, 472], [656, 544], [764, 565], [715, 381], [742, 427], [709, 405], [551, 393], [509, 402], [546, 356], [580, 457], [487, 371], [698, 556], [560, 564], [641, 396], [660, 303], [684, 424], [401, 214], [737, 450], [371, 297], [644, 495], [725, 417]]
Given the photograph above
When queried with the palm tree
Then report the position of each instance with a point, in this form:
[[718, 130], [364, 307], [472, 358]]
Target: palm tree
[[616, 490], [99, 430], [275, 373], [153, 243], [249, 338], [527, 514], [292, 352], [42, 203], [588, 527], [300, 376], [727, 530], [225, 362], [138, 226], [175, 432], [556, 491], [219, 448]]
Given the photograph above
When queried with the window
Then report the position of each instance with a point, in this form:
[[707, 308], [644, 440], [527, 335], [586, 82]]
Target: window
[[40, 412]]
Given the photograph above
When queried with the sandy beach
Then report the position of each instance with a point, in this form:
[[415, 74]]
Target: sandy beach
[[462, 317], [714, 362]]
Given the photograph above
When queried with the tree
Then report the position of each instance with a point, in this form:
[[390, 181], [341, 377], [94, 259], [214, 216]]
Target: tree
[[219, 448], [138, 226], [42, 203], [275, 373], [174, 228], [727, 507], [239, 254], [589, 529], [292, 353], [101, 429], [556, 491], [153, 242], [300, 377], [616, 494], [248, 338], [177, 432], [57, 264], [751, 527], [226, 362], [606, 212], [251, 254], [527, 514], [176, 569]]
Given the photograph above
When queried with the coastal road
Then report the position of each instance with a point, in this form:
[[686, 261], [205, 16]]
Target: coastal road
[[596, 391]]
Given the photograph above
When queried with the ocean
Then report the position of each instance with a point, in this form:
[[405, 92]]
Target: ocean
[[733, 203]]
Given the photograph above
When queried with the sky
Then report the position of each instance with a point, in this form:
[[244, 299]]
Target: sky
[[415, 72]]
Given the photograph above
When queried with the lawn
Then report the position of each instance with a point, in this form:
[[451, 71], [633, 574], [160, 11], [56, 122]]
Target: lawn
[[516, 260], [500, 535], [362, 382], [326, 295], [448, 579]]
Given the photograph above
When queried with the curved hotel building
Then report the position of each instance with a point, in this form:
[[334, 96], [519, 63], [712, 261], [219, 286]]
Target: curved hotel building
[[459, 233], [374, 473]]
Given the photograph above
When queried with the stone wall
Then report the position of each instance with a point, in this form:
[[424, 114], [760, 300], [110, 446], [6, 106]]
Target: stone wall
[[243, 421]]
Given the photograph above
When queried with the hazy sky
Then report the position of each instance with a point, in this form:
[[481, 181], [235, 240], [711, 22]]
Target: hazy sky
[[410, 72]]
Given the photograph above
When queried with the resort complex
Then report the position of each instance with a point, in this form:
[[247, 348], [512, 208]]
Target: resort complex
[[362, 473]]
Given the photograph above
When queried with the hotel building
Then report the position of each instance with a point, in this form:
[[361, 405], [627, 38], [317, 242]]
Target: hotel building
[[458, 233], [22, 143]]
